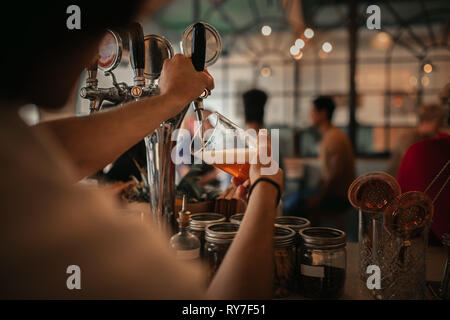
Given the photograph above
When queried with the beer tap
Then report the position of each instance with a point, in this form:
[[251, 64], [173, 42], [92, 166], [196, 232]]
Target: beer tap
[[92, 83], [198, 60], [147, 56], [159, 144], [194, 43], [110, 54], [137, 60]]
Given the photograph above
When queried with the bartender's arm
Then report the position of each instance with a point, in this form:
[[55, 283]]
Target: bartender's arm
[[247, 270], [93, 141]]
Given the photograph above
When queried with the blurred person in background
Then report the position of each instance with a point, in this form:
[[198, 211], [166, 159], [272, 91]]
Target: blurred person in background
[[254, 105], [419, 166], [337, 162], [431, 120], [444, 98]]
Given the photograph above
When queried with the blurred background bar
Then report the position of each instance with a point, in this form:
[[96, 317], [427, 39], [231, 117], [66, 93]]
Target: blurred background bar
[[296, 50]]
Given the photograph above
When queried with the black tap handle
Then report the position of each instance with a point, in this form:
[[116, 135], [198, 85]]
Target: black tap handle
[[93, 66], [198, 46], [137, 47]]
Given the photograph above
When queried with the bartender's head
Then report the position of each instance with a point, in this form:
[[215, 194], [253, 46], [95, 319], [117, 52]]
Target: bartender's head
[[322, 110], [41, 59]]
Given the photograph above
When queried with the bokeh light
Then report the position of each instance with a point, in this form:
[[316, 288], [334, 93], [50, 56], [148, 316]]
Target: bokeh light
[[327, 47], [309, 33], [266, 30]]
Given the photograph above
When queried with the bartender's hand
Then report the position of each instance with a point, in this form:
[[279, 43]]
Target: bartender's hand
[[256, 170], [180, 81]]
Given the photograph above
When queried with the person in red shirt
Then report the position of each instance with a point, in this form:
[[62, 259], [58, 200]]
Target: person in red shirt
[[421, 163]]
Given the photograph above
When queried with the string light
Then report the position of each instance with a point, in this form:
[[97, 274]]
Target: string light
[[327, 47], [309, 33], [294, 50], [425, 81], [427, 68], [266, 30], [266, 71], [299, 43]]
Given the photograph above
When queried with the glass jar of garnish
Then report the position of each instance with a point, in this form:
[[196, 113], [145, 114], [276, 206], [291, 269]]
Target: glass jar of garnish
[[218, 238], [322, 260], [295, 223], [198, 223], [284, 261]]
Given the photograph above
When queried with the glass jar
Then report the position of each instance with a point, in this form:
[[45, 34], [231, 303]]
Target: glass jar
[[237, 218], [295, 223], [323, 261], [284, 261], [401, 263], [198, 223], [218, 238]]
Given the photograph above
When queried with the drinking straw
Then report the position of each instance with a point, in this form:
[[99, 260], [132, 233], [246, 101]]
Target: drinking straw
[[434, 180]]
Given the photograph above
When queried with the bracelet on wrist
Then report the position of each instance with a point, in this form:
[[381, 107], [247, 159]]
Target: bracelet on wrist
[[276, 185]]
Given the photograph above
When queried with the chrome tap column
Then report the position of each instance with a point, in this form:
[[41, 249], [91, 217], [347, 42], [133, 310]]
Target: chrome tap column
[[159, 144]]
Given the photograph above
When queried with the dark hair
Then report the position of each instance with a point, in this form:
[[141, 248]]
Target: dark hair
[[254, 103], [35, 30], [325, 103]]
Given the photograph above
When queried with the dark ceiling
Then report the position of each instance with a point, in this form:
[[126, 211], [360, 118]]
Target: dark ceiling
[[230, 16]]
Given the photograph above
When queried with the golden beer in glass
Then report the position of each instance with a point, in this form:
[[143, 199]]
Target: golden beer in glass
[[223, 144]]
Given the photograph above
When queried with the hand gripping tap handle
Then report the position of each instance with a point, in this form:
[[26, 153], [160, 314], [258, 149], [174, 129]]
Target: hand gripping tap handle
[[137, 53]]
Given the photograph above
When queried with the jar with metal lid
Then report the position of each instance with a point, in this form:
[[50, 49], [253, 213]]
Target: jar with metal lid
[[323, 261], [295, 223], [218, 238], [237, 218], [198, 223], [284, 261]]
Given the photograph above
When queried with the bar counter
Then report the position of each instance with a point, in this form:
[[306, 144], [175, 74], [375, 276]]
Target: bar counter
[[353, 289]]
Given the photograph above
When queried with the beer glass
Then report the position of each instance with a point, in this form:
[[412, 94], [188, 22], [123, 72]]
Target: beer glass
[[221, 143]]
